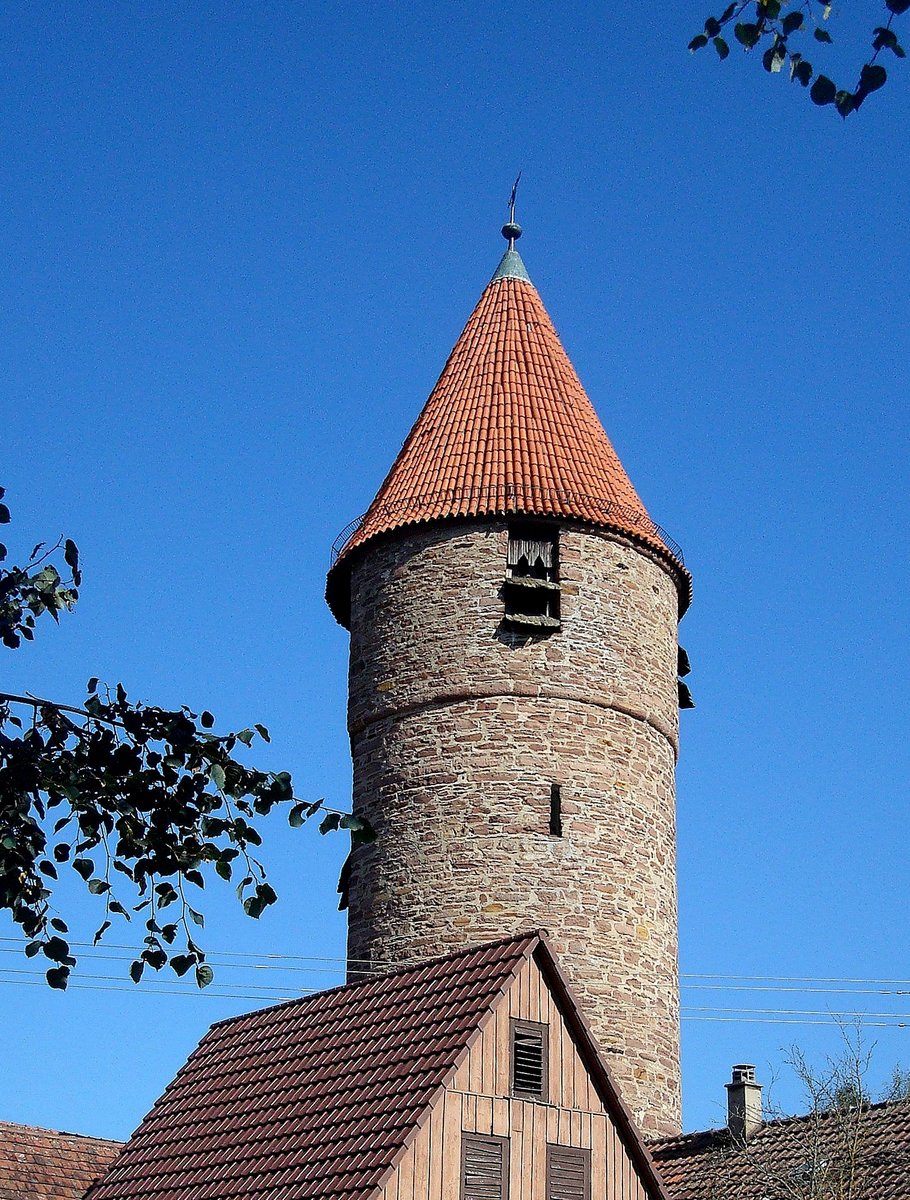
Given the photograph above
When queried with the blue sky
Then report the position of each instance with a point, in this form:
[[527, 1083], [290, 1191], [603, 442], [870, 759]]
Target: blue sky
[[239, 242]]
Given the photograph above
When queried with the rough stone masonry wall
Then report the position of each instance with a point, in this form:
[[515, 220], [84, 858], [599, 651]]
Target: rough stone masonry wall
[[457, 735]]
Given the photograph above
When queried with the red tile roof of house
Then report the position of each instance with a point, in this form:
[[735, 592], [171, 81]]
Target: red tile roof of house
[[317, 1098], [777, 1158], [43, 1164], [508, 428]]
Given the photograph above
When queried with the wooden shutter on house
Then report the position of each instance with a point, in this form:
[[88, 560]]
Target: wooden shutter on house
[[529, 1059], [484, 1167], [568, 1173]]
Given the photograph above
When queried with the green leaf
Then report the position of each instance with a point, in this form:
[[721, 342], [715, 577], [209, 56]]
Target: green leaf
[[4, 515], [216, 774], [822, 35], [100, 932], [83, 867], [897, 6], [246, 736], [58, 977], [155, 958], [712, 27], [197, 917], [223, 868], [774, 57], [362, 832], [56, 949], [204, 975], [330, 822], [181, 963], [791, 22], [845, 103], [297, 815], [98, 887], [71, 554], [685, 696], [59, 925], [697, 43], [872, 77], [802, 72], [747, 33], [770, 9], [92, 683], [263, 732], [823, 91], [136, 969], [206, 720], [886, 39], [721, 47]]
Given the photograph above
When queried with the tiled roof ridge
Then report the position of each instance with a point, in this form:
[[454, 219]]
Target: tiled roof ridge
[[680, 1140], [45, 1130], [532, 935]]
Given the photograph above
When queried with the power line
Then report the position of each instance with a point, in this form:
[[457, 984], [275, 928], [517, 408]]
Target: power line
[[802, 1012], [793, 1021], [281, 962]]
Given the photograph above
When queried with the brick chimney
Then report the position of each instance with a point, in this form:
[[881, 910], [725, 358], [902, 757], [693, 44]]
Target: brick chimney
[[744, 1111]]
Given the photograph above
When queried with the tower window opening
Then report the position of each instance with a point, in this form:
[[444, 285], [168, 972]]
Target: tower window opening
[[531, 588], [529, 1060], [555, 810]]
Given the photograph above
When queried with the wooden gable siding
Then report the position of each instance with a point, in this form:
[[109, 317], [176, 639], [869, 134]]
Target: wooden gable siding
[[478, 1101]]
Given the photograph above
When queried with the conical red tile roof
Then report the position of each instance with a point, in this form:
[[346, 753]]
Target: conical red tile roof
[[508, 428]]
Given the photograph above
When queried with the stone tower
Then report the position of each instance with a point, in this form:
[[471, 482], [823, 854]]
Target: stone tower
[[513, 705]]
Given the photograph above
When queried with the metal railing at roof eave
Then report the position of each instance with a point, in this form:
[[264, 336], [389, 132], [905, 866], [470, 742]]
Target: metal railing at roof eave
[[461, 502]]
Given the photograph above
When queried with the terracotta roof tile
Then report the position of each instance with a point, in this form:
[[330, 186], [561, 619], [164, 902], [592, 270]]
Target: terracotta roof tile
[[315, 1097], [508, 428], [706, 1166], [43, 1164]]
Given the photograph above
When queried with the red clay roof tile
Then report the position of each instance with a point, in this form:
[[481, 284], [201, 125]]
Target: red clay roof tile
[[508, 428], [43, 1164], [776, 1159]]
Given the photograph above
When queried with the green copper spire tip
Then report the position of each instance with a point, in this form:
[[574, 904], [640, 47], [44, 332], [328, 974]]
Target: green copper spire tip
[[511, 267]]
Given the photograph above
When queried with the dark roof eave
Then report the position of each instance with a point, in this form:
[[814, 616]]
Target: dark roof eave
[[338, 580]]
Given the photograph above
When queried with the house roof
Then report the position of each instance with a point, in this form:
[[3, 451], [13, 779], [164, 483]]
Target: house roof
[[508, 428], [777, 1158], [321, 1096], [44, 1164]]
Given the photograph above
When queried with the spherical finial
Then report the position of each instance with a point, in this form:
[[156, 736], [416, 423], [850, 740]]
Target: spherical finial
[[511, 231]]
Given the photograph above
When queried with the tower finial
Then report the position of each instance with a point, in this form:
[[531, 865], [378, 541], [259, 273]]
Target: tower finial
[[511, 231]]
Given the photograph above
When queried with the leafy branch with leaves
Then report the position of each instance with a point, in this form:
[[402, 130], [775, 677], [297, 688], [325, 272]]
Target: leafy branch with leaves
[[779, 27], [141, 803]]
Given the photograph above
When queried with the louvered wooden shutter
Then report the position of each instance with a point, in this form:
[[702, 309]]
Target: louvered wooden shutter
[[568, 1173], [484, 1167], [529, 1059]]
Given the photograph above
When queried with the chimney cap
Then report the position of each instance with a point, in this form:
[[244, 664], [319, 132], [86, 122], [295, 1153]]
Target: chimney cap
[[743, 1073]]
